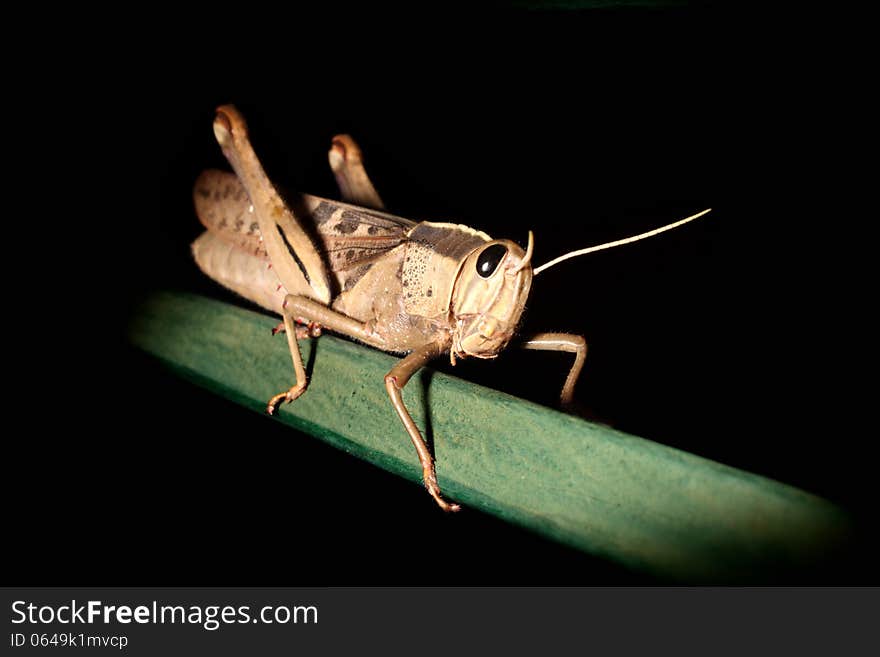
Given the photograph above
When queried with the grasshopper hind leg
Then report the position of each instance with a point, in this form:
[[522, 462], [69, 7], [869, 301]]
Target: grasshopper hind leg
[[348, 167], [315, 317], [299, 387], [296, 307]]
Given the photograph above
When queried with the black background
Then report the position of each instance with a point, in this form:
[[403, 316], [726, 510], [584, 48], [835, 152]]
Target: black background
[[583, 126]]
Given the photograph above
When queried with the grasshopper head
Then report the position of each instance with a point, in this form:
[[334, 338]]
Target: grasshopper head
[[489, 297]]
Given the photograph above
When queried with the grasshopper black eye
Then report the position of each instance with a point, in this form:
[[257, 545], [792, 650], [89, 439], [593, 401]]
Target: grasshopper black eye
[[489, 260]]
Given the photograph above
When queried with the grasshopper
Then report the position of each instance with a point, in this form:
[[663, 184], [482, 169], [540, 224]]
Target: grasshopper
[[422, 289]]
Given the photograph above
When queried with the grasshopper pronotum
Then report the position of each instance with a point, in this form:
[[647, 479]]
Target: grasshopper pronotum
[[422, 289]]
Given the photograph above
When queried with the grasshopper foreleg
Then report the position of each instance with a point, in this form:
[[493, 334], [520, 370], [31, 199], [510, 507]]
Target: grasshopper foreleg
[[569, 342], [395, 380]]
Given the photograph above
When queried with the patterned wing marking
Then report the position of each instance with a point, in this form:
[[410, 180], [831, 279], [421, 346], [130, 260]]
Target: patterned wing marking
[[349, 238], [222, 205], [354, 237]]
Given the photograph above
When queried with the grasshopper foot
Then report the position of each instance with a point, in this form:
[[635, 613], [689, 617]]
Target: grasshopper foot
[[434, 490], [312, 330], [288, 396]]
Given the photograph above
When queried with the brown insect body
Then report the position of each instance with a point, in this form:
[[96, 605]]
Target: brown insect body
[[424, 289], [396, 275]]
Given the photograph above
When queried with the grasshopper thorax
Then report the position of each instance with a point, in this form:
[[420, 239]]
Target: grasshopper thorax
[[489, 297]]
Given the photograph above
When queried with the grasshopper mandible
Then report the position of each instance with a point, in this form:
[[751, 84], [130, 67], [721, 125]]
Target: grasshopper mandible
[[421, 289]]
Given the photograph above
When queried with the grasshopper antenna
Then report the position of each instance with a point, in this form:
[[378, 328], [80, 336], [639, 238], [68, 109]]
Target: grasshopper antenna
[[626, 240]]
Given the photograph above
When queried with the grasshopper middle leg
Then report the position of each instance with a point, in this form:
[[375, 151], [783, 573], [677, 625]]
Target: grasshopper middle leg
[[395, 380]]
